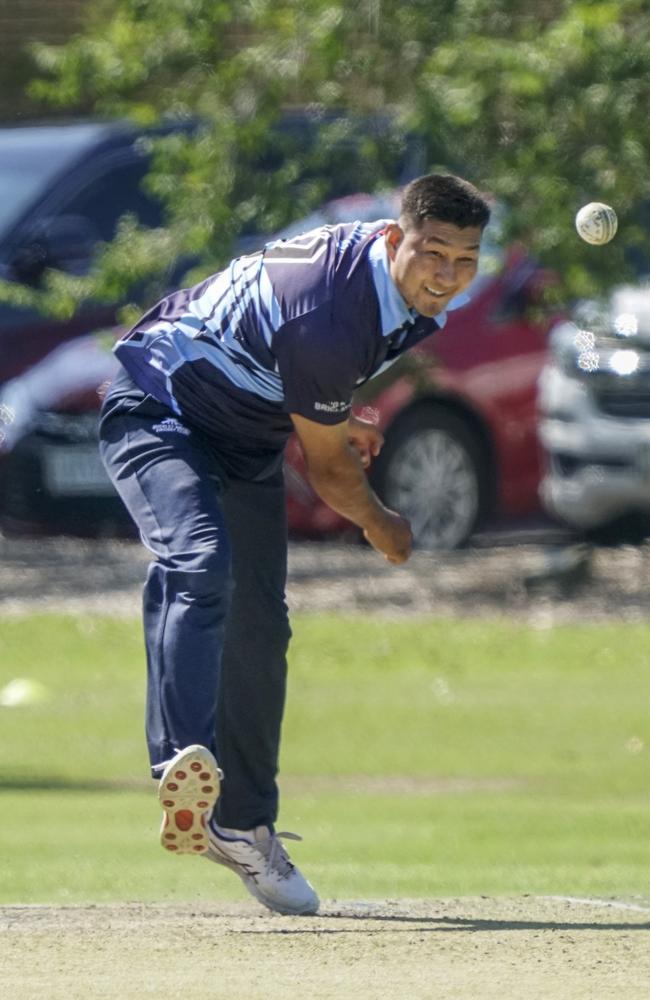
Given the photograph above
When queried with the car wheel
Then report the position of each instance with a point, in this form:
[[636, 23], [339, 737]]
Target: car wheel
[[433, 471]]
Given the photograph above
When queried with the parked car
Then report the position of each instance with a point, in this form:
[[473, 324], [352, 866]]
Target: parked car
[[595, 417], [51, 477], [64, 188], [458, 412]]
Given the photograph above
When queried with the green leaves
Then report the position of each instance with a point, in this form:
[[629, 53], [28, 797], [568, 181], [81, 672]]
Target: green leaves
[[544, 107], [549, 120]]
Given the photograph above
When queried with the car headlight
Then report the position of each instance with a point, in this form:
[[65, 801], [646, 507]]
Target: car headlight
[[624, 362], [582, 354]]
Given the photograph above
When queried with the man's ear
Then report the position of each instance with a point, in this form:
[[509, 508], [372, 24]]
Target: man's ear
[[394, 236]]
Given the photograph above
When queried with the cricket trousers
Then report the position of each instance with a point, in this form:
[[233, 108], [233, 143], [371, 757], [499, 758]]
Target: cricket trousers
[[215, 619]]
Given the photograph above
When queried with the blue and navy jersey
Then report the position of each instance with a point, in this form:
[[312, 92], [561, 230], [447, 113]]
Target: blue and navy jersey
[[294, 328]]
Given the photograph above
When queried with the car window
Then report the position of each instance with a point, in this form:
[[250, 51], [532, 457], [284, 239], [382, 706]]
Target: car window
[[21, 184], [30, 160], [110, 195]]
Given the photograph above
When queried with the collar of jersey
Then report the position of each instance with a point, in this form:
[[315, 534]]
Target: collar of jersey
[[393, 309]]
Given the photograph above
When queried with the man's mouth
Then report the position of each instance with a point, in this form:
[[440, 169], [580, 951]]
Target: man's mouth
[[436, 293]]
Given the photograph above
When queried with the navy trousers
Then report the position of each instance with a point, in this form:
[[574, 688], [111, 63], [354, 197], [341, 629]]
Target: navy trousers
[[215, 617]]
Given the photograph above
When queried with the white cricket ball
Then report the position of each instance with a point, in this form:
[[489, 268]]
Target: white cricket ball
[[596, 223]]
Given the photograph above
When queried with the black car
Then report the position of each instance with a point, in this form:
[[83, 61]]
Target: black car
[[64, 187]]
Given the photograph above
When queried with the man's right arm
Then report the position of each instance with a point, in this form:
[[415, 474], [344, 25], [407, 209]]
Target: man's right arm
[[336, 473]]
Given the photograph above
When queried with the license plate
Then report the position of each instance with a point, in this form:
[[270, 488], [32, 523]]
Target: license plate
[[75, 471]]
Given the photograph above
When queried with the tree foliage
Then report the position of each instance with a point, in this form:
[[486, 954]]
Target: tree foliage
[[548, 109], [543, 106]]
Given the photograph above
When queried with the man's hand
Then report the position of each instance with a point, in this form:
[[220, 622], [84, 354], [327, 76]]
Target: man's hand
[[365, 438], [335, 465], [391, 536]]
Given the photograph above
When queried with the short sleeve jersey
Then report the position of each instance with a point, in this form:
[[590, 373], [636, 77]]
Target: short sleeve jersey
[[294, 328]]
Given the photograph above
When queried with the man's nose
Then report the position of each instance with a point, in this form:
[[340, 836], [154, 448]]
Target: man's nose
[[446, 273]]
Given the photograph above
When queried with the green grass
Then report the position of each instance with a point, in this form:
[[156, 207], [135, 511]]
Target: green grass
[[525, 756]]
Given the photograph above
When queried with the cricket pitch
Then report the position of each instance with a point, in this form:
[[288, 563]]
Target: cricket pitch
[[464, 949]]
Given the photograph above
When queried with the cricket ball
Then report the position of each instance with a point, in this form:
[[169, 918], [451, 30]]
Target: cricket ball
[[596, 223]]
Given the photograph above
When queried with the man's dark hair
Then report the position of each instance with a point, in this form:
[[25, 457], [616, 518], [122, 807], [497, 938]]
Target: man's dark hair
[[446, 198]]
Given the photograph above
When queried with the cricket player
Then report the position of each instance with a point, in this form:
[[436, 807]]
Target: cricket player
[[213, 381]]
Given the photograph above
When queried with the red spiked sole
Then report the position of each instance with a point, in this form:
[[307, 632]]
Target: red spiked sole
[[188, 791]]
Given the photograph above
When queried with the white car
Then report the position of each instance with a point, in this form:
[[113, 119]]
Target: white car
[[594, 405]]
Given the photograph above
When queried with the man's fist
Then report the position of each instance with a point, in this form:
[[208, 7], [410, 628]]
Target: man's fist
[[391, 535]]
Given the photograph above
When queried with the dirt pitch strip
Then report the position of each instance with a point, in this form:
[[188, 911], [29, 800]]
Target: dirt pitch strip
[[465, 949]]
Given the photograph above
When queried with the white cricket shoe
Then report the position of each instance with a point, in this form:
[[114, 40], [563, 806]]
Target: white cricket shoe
[[188, 791], [264, 866]]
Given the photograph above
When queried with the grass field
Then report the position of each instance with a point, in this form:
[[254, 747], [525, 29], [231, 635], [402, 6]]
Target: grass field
[[429, 758]]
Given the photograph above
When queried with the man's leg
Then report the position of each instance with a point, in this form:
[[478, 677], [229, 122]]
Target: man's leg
[[253, 674], [251, 703], [170, 487]]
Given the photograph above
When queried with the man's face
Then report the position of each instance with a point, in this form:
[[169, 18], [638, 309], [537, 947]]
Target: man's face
[[432, 263]]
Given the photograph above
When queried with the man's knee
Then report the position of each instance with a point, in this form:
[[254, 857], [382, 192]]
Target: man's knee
[[203, 578]]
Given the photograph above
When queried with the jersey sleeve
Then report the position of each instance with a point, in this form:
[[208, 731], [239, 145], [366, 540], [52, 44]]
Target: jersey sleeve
[[317, 364]]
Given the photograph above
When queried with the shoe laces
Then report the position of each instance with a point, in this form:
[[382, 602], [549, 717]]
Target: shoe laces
[[274, 853]]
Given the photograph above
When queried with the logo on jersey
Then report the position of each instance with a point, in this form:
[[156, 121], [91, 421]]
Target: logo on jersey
[[336, 406], [170, 425]]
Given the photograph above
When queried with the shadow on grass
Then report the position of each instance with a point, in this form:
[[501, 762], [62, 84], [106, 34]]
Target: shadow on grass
[[54, 783]]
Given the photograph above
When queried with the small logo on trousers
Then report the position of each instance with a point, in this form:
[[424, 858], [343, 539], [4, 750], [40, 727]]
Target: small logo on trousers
[[170, 425]]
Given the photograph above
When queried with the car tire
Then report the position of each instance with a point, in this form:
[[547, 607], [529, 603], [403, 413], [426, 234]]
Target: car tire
[[433, 470]]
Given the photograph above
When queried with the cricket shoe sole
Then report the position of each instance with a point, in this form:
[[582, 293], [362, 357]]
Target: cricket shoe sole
[[188, 792]]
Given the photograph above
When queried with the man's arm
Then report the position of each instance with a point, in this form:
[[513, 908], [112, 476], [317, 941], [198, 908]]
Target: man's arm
[[336, 473]]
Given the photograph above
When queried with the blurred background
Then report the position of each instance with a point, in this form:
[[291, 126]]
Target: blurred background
[[145, 142]]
